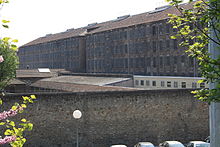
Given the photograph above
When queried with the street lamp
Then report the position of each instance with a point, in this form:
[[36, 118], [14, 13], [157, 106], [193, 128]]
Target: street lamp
[[77, 115]]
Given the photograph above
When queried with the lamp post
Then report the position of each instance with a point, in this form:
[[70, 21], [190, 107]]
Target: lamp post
[[77, 115]]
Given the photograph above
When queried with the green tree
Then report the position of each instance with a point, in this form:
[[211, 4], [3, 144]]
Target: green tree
[[10, 63], [194, 25]]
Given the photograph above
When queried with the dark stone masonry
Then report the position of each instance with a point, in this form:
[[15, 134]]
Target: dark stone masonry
[[115, 117]]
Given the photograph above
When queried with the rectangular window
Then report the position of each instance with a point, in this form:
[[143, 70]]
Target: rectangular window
[[161, 61], [175, 84], [183, 84], [154, 62], [194, 85], [168, 60], [175, 59], [142, 82], [168, 83], [154, 45], [147, 83], [154, 83], [162, 84], [161, 29], [167, 44], [202, 85], [126, 49], [167, 28], [154, 30], [161, 45]]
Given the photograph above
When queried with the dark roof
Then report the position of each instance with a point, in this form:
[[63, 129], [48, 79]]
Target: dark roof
[[34, 73], [16, 82], [58, 36], [152, 16], [71, 87], [87, 80]]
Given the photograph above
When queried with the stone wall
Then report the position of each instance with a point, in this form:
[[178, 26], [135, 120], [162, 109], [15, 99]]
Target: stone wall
[[115, 117]]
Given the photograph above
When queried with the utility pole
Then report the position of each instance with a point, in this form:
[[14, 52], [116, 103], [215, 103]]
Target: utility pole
[[214, 108]]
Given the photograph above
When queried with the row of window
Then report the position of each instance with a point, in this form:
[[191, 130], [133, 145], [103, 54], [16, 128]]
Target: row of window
[[55, 56], [141, 62], [134, 33], [134, 48], [174, 84]]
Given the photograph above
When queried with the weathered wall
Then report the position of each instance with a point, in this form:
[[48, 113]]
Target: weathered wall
[[116, 117]]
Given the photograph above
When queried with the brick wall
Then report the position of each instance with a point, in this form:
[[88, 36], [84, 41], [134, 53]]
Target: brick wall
[[115, 117]]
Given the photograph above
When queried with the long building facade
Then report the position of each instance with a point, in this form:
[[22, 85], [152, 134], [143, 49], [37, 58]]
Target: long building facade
[[138, 44]]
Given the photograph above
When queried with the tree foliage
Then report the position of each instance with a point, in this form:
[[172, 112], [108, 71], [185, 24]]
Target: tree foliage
[[8, 65], [8, 53], [194, 25], [14, 130]]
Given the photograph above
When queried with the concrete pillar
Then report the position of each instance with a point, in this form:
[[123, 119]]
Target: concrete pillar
[[214, 111], [214, 124]]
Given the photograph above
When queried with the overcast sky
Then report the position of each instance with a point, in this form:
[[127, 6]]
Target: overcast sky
[[31, 19]]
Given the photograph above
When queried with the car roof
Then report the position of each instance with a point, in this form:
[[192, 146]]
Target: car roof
[[173, 142], [201, 142], [118, 145], [145, 143]]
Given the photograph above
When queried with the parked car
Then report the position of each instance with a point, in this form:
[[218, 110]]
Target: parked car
[[207, 139], [118, 145], [198, 144], [144, 144], [171, 144]]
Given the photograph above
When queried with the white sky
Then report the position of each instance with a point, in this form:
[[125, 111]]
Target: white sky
[[31, 19]]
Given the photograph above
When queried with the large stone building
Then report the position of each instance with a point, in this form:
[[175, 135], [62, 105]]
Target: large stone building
[[138, 44]]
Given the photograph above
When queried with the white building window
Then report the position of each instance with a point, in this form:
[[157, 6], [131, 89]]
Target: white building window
[[183, 84], [168, 83], [142, 82], [202, 85], [194, 85]]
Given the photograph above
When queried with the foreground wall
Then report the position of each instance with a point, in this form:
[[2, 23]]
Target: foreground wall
[[116, 117]]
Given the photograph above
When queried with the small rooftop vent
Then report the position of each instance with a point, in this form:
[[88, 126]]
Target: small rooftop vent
[[69, 29], [121, 18], [44, 70], [163, 7], [92, 24], [48, 35], [91, 27], [159, 9]]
